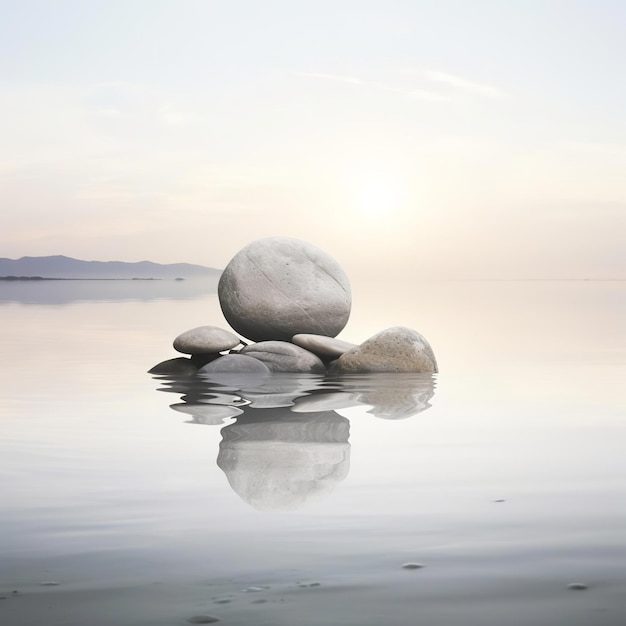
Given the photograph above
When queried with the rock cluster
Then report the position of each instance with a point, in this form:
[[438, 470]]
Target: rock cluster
[[292, 299]]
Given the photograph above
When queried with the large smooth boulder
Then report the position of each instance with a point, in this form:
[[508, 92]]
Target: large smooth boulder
[[205, 340], [396, 349], [282, 356], [278, 287]]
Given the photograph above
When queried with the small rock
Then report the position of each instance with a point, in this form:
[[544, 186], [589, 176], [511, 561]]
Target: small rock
[[412, 565], [235, 364], [205, 340], [49, 583], [282, 356], [396, 349], [577, 586], [500, 500], [278, 287], [200, 360], [203, 619], [258, 601], [179, 366], [254, 589], [222, 600], [326, 348]]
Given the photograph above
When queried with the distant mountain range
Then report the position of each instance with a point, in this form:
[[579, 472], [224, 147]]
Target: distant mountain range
[[65, 267]]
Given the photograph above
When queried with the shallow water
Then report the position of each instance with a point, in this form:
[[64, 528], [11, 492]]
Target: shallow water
[[150, 500]]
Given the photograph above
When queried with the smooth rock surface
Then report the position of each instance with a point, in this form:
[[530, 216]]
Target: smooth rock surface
[[235, 364], [205, 340], [278, 287], [282, 356], [396, 349], [326, 348], [179, 366]]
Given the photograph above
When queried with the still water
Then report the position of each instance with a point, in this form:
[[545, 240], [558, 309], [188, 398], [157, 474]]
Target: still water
[[128, 499]]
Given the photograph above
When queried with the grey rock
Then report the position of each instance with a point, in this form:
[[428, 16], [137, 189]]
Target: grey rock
[[326, 348], [178, 366], [282, 356], [205, 340], [397, 349], [200, 360], [278, 287], [235, 364]]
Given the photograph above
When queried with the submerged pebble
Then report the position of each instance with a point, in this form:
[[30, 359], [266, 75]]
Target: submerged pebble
[[577, 586], [203, 619], [412, 565]]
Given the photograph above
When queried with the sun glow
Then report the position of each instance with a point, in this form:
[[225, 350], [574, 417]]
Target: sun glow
[[374, 193]]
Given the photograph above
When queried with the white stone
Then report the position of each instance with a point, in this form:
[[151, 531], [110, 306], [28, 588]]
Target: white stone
[[278, 287], [205, 340], [325, 347], [282, 356], [397, 349]]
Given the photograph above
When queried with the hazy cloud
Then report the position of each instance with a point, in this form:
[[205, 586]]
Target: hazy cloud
[[463, 84], [403, 90]]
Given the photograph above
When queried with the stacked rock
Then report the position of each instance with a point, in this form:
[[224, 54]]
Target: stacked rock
[[292, 299]]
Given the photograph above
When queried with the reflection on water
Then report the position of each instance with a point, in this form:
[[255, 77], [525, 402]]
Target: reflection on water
[[70, 291], [115, 496], [276, 460], [287, 444]]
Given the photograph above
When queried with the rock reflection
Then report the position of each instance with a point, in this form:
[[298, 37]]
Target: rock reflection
[[387, 396], [393, 396], [275, 459], [210, 414], [287, 444]]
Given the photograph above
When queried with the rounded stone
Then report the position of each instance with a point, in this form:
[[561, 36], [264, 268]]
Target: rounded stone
[[278, 287], [235, 364], [282, 356], [181, 366], [397, 349], [327, 348], [205, 340]]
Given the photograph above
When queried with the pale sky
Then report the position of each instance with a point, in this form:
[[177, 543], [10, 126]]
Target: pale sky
[[426, 139]]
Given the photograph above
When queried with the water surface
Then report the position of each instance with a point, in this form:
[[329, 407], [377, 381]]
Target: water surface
[[132, 499]]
